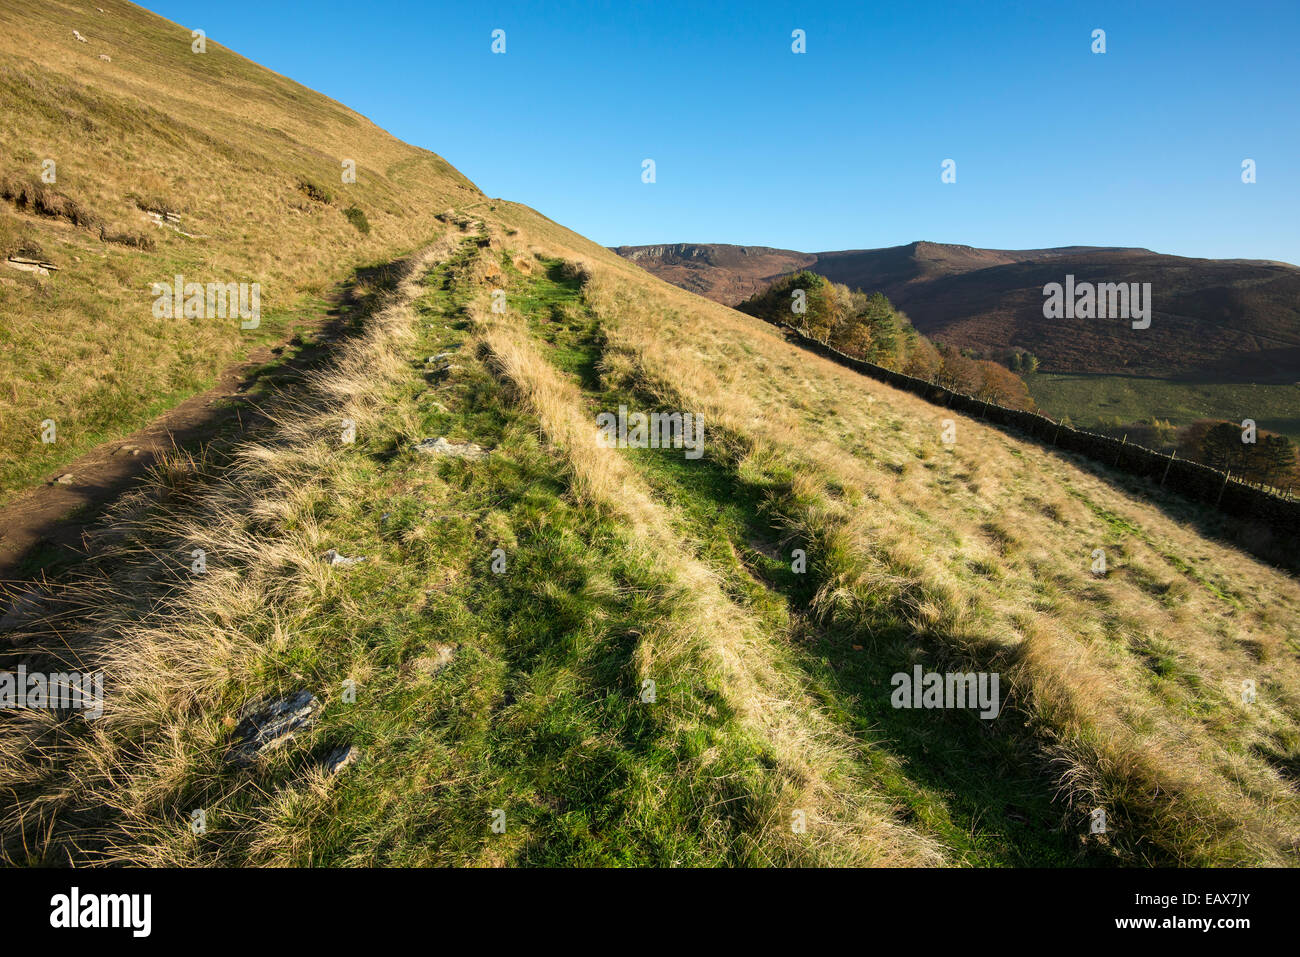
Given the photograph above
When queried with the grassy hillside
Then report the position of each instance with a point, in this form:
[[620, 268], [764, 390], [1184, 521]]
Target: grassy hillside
[[1224, 341], [249, 160], [1215, 320], [1092, 400], [555, 652], [522, 691]]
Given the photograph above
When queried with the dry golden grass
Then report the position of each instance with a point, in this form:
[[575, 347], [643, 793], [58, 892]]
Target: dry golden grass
[[174, 642], [815, 759], [1183, 756], [1129, 683], [213, 137]]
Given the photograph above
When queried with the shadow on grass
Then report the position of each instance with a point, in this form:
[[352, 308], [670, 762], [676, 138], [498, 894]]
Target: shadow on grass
[[59, 543]]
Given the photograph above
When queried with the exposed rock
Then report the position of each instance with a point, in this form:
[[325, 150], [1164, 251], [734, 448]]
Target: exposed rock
[[40, 267], [268, 723], [334, 558], [66, 479], [460, 450], [340, 758], [171, 221], [440, 367]]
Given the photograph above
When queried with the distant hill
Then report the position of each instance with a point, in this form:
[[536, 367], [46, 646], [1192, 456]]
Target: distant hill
[[1213, 320], [725, 274]]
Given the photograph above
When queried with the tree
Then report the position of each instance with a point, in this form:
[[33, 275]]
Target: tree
[[923, 359], [869, 327], [777, 304], [1002, 387], [884, 329], [1270, 460], [1222, 448], [1278, 460], [958, 372]]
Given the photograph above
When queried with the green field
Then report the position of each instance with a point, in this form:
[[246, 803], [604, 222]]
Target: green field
[[1091, 400]]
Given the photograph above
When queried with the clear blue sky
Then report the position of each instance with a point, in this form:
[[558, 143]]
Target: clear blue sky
[[840, 147]]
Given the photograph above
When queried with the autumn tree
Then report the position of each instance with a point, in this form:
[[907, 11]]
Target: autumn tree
[[1002, 387], [1270, 460]]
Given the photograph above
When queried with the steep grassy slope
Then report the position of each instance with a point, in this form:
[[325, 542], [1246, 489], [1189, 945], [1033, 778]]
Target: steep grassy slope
[[523, 691], [980, 552], [614, 655], [519, 691], [233, 149]]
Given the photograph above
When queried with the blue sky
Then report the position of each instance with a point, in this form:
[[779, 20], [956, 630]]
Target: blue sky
[[839, 147]]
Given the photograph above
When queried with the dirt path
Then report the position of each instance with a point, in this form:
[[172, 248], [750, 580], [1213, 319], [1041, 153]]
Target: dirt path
[[43, 525], [42, 529]]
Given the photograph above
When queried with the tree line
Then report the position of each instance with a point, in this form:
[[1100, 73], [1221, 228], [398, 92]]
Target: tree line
[[868, 326]]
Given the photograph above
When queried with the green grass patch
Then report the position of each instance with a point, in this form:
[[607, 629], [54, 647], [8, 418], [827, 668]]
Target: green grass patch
[[1094, 400], [935, 765]]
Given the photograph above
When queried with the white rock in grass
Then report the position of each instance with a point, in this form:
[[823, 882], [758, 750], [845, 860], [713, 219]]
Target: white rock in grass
[[340, 758], [334, 558], [459, 450], [430, 665]]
